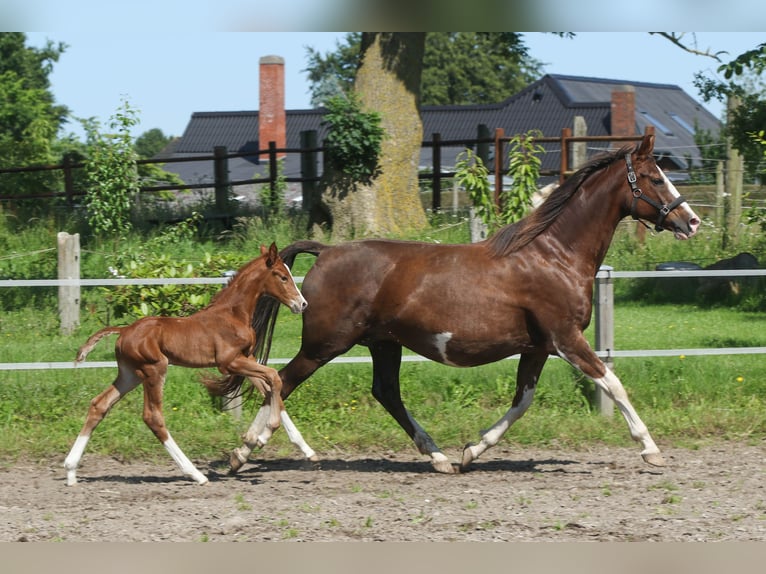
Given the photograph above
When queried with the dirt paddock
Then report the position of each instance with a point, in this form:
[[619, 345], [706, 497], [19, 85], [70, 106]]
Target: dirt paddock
[[601, 493]]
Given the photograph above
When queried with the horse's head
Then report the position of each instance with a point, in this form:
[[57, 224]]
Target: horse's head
[[654, 197], [279, 281]]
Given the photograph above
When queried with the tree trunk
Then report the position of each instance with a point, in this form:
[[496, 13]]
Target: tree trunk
[[388, 82]]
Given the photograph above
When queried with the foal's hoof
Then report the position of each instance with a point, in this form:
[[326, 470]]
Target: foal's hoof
[[654, 458]]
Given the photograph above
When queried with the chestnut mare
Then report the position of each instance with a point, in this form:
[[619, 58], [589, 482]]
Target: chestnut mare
[[220, 335], [526, 290]]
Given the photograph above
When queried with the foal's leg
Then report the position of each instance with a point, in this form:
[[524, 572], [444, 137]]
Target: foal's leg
[[527, 376], [579, 354], [299, 369], [125, 382], [386, 360], [155, 420], [259, 434]]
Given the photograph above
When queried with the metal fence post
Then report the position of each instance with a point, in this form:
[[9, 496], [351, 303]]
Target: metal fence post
[[605, 330]]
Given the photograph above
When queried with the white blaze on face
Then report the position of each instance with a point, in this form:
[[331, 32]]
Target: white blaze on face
[[691, 217], [300, 304]]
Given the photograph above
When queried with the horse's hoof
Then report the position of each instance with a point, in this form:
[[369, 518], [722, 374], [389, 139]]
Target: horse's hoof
[[654, 459], [235, 462], [445, 467], [313, 458], [468, 457]]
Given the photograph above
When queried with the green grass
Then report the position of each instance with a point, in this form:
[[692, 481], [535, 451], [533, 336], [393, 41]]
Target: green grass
[[684, 401]]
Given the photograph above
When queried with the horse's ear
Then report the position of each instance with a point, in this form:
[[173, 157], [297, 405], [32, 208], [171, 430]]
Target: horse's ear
[[647, 145], [273, 254], [267, 254]]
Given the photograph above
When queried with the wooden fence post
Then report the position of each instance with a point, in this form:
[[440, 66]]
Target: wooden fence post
[[499, 159], [221, 175], [309, 171], [69, 268], [482, 148], [605, 331], [436, 186]]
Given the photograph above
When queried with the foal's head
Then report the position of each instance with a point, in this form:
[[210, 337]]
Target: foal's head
[[279, 282], [653, 197]]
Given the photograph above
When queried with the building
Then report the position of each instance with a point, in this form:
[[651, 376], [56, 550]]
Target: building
[[606, 106]]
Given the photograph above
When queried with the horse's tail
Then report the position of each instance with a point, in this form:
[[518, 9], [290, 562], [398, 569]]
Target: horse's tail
[[93, 340], [263, 321]]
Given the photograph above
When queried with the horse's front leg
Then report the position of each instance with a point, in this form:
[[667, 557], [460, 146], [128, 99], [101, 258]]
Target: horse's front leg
[[579, 354], [386, 361], [527, 374]]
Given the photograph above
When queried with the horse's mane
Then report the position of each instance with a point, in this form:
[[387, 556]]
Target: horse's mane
[[516, 235]]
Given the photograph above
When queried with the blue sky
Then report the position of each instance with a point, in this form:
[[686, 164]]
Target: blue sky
[[169, 74]]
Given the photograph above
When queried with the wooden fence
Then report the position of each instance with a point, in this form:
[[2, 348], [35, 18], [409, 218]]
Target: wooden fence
[[309, 153]]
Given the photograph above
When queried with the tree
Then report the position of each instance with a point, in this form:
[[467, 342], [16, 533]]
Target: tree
[[475, 67], [29, 118], [388, 79], [742, 82], [458, 68], [150, 143], [111, 173], [387, 83]]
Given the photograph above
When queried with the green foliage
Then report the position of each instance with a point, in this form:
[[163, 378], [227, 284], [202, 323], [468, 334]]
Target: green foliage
[[111, 174], [29, 120], [473, 176], [452, 73], [744, 82], [524, 171], [462, 68], [154, 258], [353, 142], [757, 214], [273, 198]]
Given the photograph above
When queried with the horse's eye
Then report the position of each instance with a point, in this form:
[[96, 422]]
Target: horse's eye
[[657, 181]]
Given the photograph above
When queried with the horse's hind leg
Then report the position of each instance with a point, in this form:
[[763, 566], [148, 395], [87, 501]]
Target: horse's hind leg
[[527, 374], [99, 407], [155, 420], [386, 360]]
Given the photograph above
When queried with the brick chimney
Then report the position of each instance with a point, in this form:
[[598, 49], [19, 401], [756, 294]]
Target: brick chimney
[[623, 112], [271, 113]]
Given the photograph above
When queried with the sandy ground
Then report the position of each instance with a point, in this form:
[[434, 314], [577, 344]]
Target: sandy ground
[[714, 493]]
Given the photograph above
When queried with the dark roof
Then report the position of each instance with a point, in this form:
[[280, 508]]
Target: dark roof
[[548, 105]]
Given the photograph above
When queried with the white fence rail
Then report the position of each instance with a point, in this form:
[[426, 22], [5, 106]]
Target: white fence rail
[[603, 312]]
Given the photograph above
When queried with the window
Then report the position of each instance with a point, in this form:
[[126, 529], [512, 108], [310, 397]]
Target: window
[[683, 123], [656, 123]]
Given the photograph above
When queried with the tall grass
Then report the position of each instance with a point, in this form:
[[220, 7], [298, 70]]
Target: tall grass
[[684, 400]]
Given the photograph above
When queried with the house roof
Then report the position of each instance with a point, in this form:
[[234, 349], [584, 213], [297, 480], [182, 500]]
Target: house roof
[[548, 105]]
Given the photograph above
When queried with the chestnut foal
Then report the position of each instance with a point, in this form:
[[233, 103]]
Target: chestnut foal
[[220, 335]]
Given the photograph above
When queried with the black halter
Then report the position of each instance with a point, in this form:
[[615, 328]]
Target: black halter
[[663, 208]]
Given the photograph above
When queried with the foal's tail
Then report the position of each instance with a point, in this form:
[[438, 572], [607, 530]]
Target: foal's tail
[[263, 321], [93, 340]]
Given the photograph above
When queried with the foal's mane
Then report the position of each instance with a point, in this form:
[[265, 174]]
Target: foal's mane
[[240, 276], [516, 235]]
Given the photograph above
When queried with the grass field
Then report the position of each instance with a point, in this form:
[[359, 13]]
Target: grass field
[[686, 400]]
